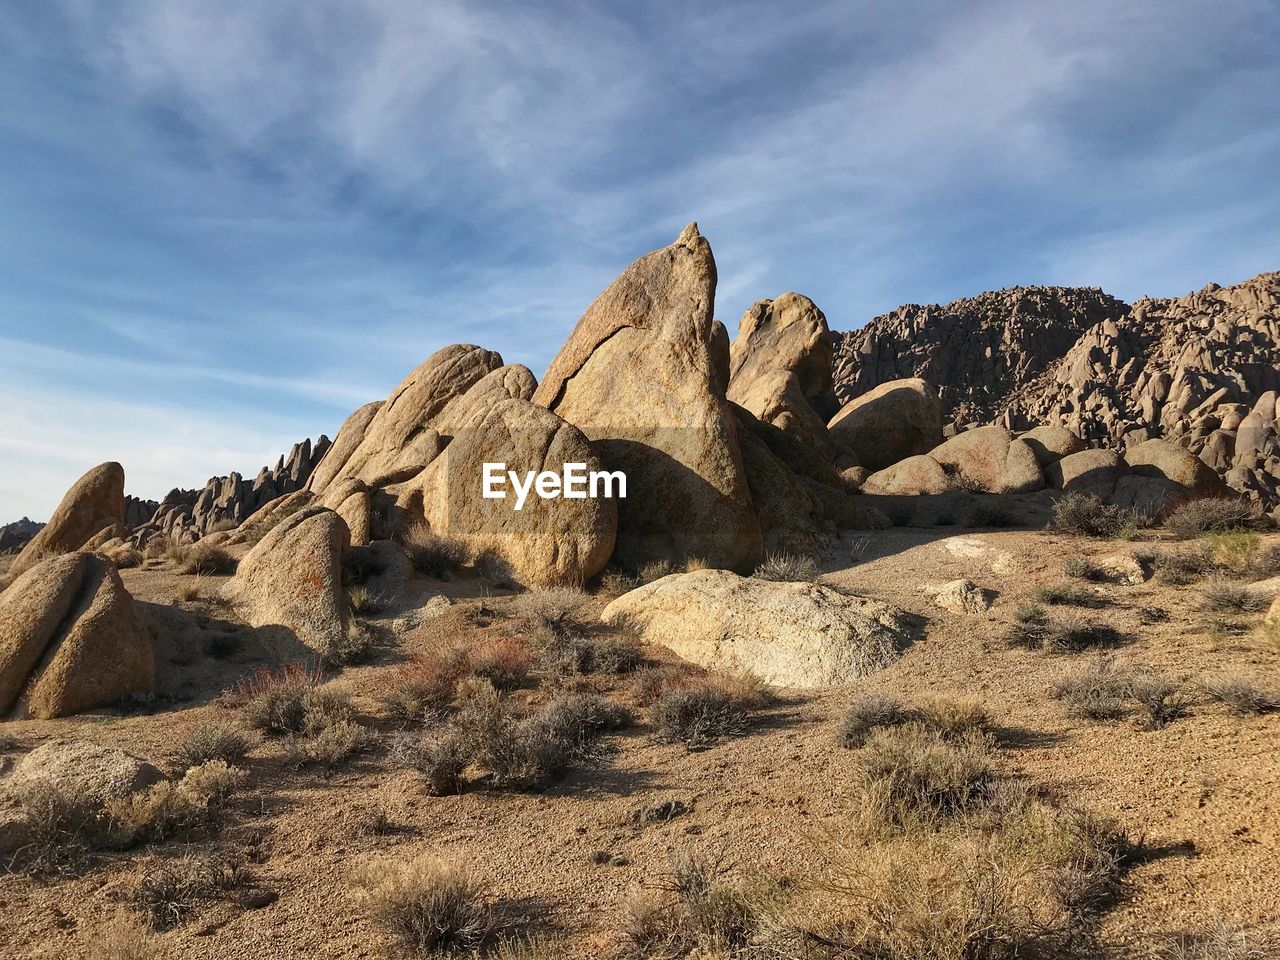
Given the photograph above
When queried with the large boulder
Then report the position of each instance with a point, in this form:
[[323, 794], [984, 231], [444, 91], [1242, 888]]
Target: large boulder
[[896, 420], [642, 376], [790, 634], [545, 542], [1050, 443], [913, 476], [92, 507], [780, 369], [1089, 471], [991, 460], [350, 435], [1148, 495], [71, 639], [86, 771], [293, 578], [1169, 461]]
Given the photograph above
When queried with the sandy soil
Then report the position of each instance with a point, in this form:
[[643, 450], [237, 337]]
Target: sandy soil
[[1204, 792]]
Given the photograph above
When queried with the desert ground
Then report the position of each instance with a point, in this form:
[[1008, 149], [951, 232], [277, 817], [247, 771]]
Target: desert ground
[[776, 801]]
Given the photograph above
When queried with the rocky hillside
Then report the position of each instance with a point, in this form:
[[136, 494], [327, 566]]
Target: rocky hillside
[[976, 351]]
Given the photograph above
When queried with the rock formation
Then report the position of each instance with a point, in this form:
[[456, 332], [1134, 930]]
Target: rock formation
[[92, 510], [887, 424], [643, 377], [71, 639], [16, 535], [789, 634]]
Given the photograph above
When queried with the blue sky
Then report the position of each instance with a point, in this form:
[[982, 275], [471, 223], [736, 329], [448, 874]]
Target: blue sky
[[225, 225]]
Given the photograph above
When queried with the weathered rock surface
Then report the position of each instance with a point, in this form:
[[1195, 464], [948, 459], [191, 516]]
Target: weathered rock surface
[[293, 578], [1052, 443], [547, 541], [81, 769], [990, 459], [1089, 471], [890, 422], [780, 369], [913, 476], [94, 505], [642, 376], [16, 535], [71, 639], [1169, 461], [790, 634], [963, 596]]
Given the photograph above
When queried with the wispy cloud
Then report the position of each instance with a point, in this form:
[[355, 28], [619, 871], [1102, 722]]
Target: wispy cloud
[[253, 216]]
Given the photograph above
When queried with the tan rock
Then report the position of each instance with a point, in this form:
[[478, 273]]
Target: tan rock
[[963, 596], [547, 541], [789, 634], [1147, 495], [991, 459], [641, 377], [350, 436], [780, 369], [293, 578], [1123, 568], [1052, 443], [1169, 461], [914, 476], [94, 506], [1089, 471], [896, 420], [81, 769], [265, 520], [71, 639]]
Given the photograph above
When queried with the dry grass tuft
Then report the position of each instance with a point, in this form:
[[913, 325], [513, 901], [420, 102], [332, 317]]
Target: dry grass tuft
[[432, 554], [557, 611], [211, 741], [123, 938], [424, 688], [915, 777], [787, 567], [1241, 695], [1229, 596], [1181, 567], [209, 561], [1210, 515], [1224, 942], [1099, 691], [170, 891], [168, 808], [428, 904]]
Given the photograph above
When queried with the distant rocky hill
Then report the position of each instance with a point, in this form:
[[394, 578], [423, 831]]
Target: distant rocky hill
[[14, 536], [976, 351], [226, 502], [1201, 369]]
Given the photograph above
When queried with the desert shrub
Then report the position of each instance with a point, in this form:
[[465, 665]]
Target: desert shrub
[[432, 554], [170, 808], [1181, 567], [1223, 942], [1241, 695], [1266, 562], [617, 582], [363, 600], [425, 687], [125, 557], [428, 904], [1030, 613], [188, 592], [870, 713], [557, 611], [1234, 549], [440, 758], [1100, 691], [571, 654], [58, 826], [650, 683], [211, 741], [913, 775], [123, 938], [1162, 699], [699, 714], [1210, 515], [1075, 636], [328, 745], [1083, 568], [290, 701], [655, 570], [582, 718], [787, 567], [209, 561], [503, 662], [1228, 596], [1085, 514], [353, 645], [1065, 593], [170, 891]]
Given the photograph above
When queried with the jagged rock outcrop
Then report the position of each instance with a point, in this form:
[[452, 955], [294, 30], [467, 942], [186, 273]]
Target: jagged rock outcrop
[[91, 512], [16, 535], [293, 578], [226, 502], [975, 351], [71, 639], [643, 376], [1200, 370], [789, 634]]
